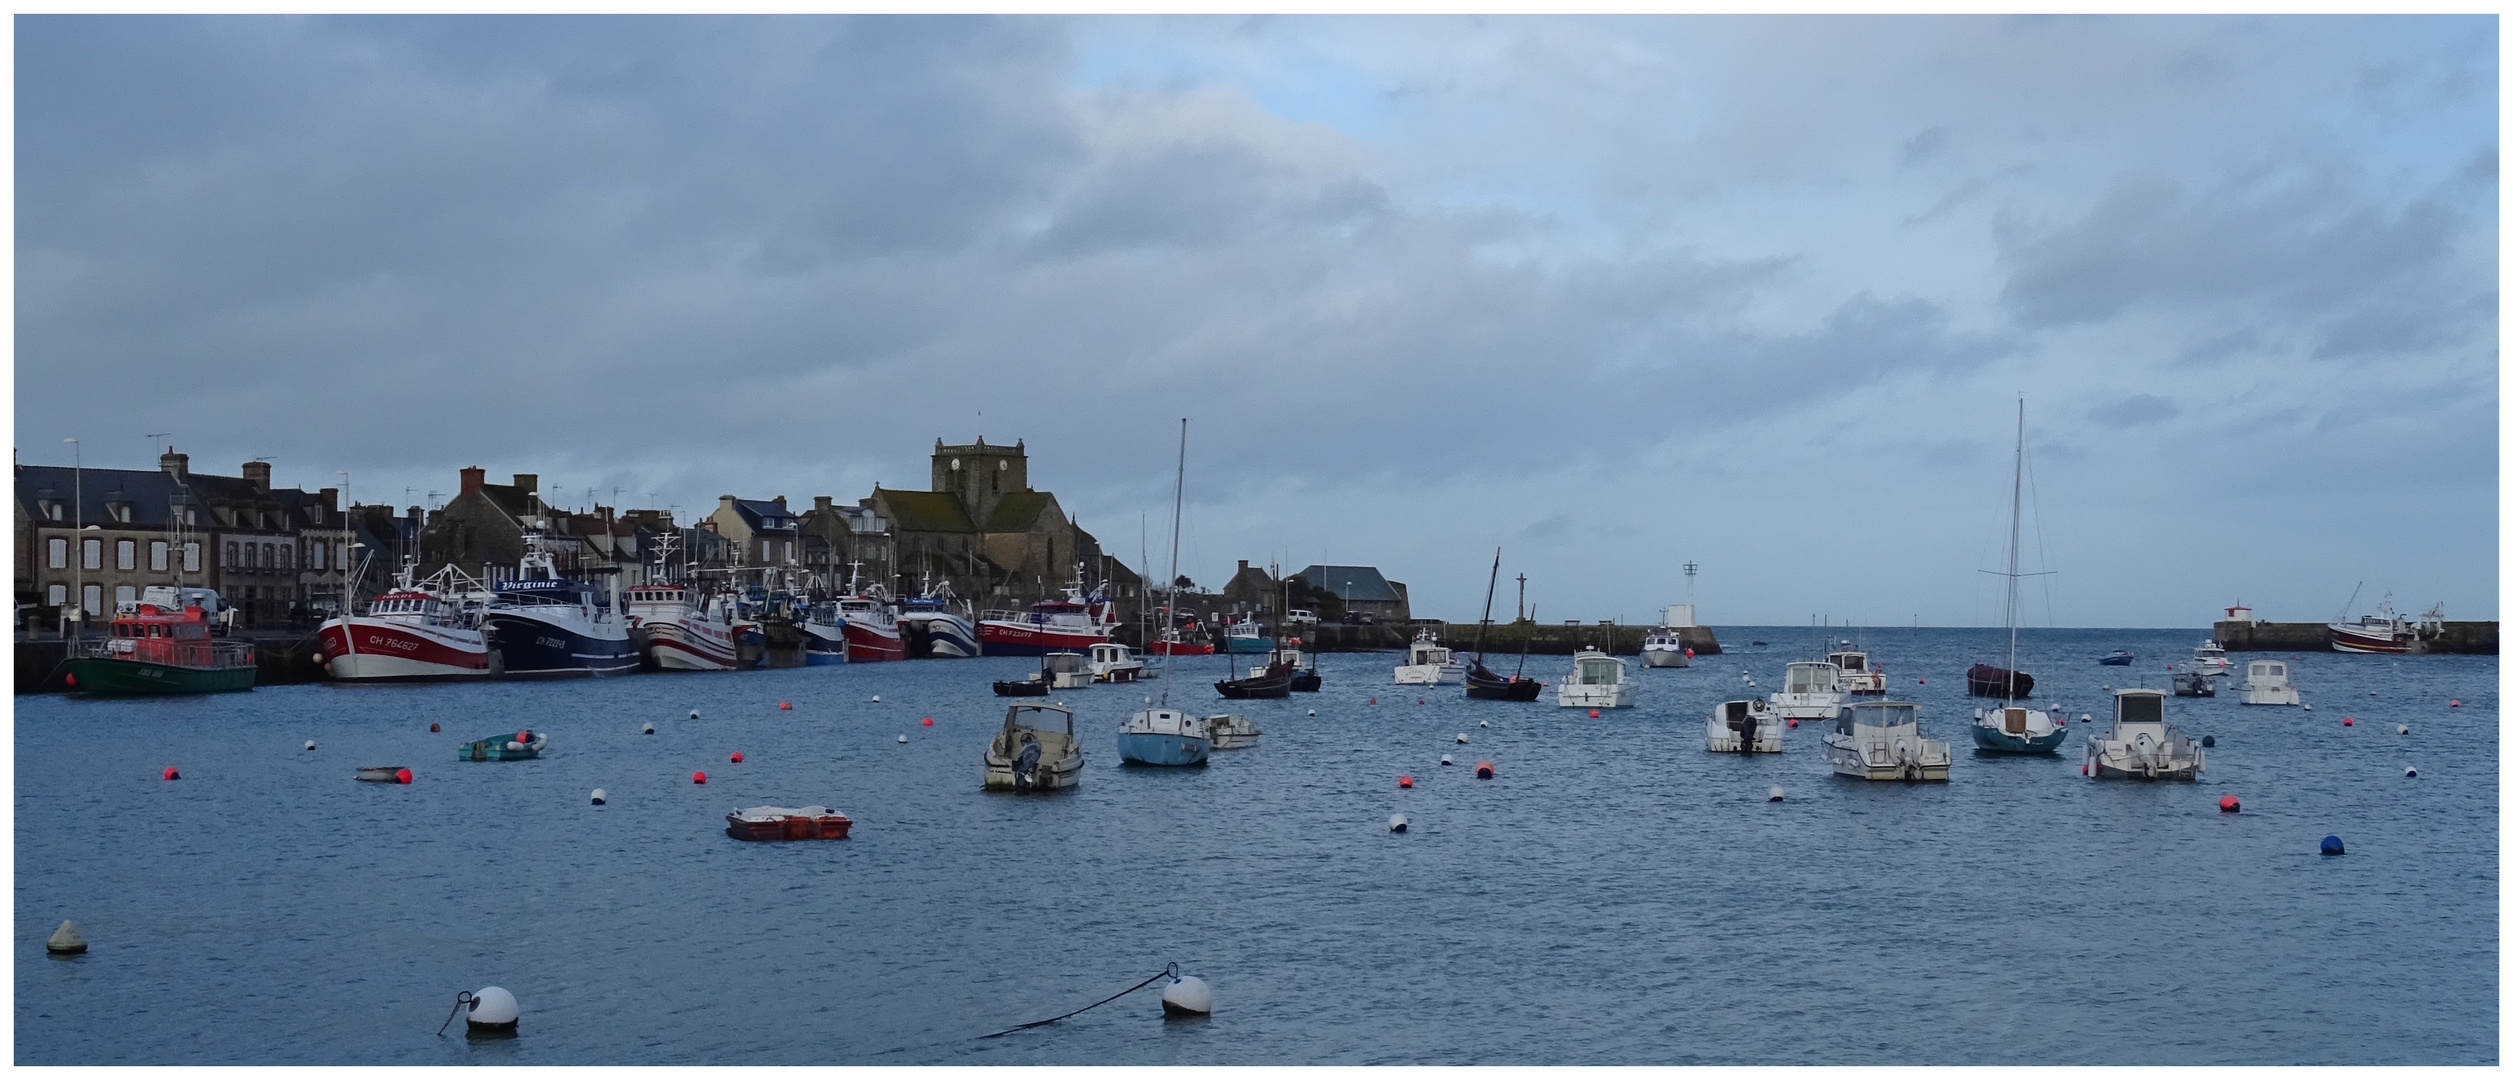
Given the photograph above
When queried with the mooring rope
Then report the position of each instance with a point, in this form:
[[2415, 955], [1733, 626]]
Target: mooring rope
[[460, 1000], [1169, 972]]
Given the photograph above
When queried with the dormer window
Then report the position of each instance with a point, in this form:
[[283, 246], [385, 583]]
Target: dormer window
[[121, 511], [51, 509]]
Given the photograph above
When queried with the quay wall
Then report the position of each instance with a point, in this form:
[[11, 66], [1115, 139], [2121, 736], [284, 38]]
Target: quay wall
[[2472, 638], [283, 657]]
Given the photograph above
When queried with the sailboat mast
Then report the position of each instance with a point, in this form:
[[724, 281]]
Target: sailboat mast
[[2015, 541], [1488, 588], [1177, 507]]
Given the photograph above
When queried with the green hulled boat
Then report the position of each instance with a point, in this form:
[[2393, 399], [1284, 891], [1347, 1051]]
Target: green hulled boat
[[516, 746], [153, 651]]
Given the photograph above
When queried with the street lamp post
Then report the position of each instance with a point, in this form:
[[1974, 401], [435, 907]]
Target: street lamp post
[[78, 531]]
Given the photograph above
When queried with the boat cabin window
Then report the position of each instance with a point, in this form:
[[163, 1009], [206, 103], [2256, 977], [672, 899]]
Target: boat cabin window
[[1600, 671], [2274, 668], [1736, 710], [2142, 708], [1812, 678]]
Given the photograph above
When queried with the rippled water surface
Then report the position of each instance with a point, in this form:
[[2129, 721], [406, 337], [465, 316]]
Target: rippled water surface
[[1615, 895]]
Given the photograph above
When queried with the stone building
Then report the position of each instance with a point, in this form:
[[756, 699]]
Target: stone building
[[1252, 591], [985, 530], [762, 533], [1360, 590], [480, 531]]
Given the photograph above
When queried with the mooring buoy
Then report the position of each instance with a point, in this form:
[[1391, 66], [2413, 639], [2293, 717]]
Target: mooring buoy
[[2330, 846], [309, 743], [649, 728], [1188, 996], [2229, 805], [1395, 823], [65, 941], [1775, 794], [493, 1010], [600, 797]]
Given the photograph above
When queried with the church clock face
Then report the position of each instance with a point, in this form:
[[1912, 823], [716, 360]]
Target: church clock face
[[1001, 465], [955, 464]]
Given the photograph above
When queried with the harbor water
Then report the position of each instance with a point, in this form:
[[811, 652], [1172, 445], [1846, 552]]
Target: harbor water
[[1613, 895]]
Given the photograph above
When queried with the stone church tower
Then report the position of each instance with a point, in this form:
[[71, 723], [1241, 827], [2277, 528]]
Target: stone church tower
[[981, 475]]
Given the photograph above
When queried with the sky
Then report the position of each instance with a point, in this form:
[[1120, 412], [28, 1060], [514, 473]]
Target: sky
[[1612, 294]]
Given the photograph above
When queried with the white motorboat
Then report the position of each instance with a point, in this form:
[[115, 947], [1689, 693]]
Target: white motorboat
[[1744, 727], [1664, 647], [1859, 674], [2140, 745], [1429, 664], [2265, 683], [1112, 662], [1065, 670], [2207, 659], [1035, 751], [1810, 692], [1596, 681], [1880, 740], [1231, 731]]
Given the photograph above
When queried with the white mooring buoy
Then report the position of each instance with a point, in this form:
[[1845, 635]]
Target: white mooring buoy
[[693, 714], [1461, 736], [1396, 823], [1486, 723], [66, 941], [2412, 772], [876, 699], [1775, 794], [493, 1009], [2403, 731], [649, 728], [1444, 760], [600, 797], [902, 738], [1312, 712], [1187, 997], [309, 743]]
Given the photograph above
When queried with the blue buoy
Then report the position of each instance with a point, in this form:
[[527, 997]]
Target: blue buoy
[[2207, 741], [2330, 846]]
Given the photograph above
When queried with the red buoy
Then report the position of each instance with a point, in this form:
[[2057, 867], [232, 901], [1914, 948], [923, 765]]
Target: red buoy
[[1404, 781], [786, 705], [1592, 714], [436, 727], [929, 721], [401, 776], [1483, 770], [1374, 701], [698, 778], [2229, 805], [1419, 701], [69, 678], [2348, 721], [1793, 721], [737, 756], [1688, 654], [1924, 682], [2456, 703], [171, 774]]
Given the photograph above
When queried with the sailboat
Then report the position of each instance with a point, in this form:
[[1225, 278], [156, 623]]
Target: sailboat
[[1483, 683], [2014, 729], [1162, 735]]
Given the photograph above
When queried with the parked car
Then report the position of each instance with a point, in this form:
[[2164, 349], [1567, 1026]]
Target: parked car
[[1301, 617]]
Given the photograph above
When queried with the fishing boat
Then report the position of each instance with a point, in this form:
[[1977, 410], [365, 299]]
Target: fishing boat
[[2265, 683], [2013, 728], [824, 634], [1034, 751], [1483, 683], [685, 630], [1304, 666], [1427, 664], [547, 625], [1183, 637], [787, 823], [519, 746], [938, 624], [153, 650], [1880, 740], [1859, 674], [1664, 647], [2208, 659], [1744, 727], [1246, 637], [2118, 658], [1072, 624], [1161, 735], [1596, 681], [2384, 631], [2140, 745], [421, 629], [1231, 731], [1270, 681], [1111, 662], [2193, 684], [1989, 680], [872, 631], [1810, 692]]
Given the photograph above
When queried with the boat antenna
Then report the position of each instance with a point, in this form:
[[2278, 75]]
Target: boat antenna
[[1177, 509]]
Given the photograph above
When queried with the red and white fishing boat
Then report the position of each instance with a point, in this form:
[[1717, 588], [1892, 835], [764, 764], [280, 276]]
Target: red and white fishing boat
[[872, 629], [1072, 624], [424, 629], [2384, 631], [787, 823], [1188, 640], [685, 630]]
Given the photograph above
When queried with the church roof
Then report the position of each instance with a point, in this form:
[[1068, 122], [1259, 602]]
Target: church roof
[[926, 511], [1016, 511]]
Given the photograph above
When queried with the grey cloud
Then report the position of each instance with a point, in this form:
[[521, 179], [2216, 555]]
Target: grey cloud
[[2137, 410]]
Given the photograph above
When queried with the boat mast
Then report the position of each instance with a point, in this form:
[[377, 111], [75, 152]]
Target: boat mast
[[1177, 507], [1489, 587], [2015, 540]]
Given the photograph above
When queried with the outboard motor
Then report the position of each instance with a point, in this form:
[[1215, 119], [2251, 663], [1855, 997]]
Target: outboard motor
[[1025, 767]]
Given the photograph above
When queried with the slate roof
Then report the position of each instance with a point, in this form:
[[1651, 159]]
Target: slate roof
[[1016, 511], [763, 514], [926, 511], [1350, 583], [151, 494]]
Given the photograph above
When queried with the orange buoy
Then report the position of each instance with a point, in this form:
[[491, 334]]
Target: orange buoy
[[786, 705], [171, 774], [1404, 781], [2229, 805], [401, 776], [929, 721], [1483, 770], [698, 778], [737, 757]]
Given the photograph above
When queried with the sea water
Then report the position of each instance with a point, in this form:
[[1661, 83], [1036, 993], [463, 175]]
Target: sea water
[[1613, 895]]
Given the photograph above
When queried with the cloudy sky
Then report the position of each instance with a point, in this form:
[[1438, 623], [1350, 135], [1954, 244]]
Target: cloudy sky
[[1613, 293]]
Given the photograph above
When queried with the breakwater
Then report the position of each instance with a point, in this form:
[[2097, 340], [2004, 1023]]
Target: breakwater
[[2464, 638]]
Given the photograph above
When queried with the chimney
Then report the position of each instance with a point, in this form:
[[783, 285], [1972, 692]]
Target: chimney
[[780, 501], [528, 483], [821, 502], [330, 498], [1243, 566], [259, 473], [176, 465], [472, 478]]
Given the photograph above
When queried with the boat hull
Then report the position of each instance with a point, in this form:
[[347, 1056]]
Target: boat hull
[[376, 649], [681, 647], [1581, 696], [798, 826], [823, 645], [1991, 740], [106, 677], [1179, 648], [533, 647], [1307, 682], [866, 643], [1022, 639], [2350, 640], [1984, 680], [1656, 657], [940, 635], [1157, 748], [1255, 686], [1929, 760]]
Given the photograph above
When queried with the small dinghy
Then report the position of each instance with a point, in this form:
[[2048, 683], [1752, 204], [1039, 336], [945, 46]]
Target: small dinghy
[[787, 823], [521, 746], [1021, 688], [2118, 658], [380, 774], [1231, 731], [2193, 684]]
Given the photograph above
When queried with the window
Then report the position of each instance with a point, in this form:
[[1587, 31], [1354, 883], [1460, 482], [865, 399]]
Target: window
[[59, 595], [93, 599], [318, 554], [92, 554], [270, 555], [192, 555], [123, 594], [52, 510], [156, 554], [126, 554], [287, 556], [231, 556], [60, 549]]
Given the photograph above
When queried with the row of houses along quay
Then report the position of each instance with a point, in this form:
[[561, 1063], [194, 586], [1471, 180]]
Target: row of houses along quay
[[271, 563]]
